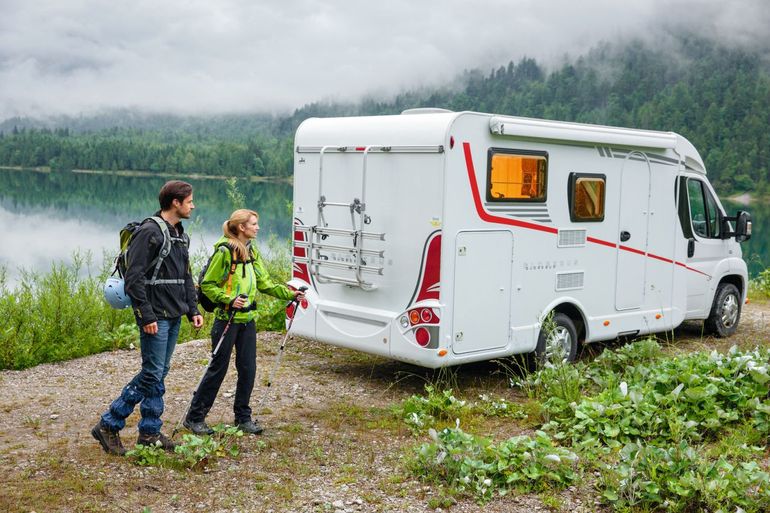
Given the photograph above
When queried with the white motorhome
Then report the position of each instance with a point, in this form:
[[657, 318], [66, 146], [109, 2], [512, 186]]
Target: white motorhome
[[439, 238]]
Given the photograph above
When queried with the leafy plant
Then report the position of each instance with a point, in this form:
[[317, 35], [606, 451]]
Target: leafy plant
[[475, 465]]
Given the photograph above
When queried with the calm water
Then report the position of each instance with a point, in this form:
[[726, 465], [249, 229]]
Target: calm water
[[45, 217]]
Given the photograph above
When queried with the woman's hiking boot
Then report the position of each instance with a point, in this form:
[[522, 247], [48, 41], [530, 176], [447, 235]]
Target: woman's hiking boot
[[251, 427], [109, 440], [158, 439], [198, 428]]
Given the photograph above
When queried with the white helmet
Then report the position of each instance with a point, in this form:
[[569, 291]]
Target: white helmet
[[115, 294]]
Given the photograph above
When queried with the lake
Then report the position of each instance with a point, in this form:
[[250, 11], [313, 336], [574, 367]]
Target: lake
[[46, 217]]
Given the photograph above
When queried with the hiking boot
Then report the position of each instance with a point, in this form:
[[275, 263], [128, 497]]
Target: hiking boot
[[109, 440], [152, 439], [251, 427], [198, 428]]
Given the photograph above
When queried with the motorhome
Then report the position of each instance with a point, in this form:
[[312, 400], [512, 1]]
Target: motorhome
[[439, 238]]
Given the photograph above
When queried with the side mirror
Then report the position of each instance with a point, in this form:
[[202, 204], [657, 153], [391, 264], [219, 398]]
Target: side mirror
[[742, 226]]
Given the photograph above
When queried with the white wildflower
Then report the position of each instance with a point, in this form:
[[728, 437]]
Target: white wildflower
[[432, 433], [487, 482], [675, 392], [552, 457], [623, 388]]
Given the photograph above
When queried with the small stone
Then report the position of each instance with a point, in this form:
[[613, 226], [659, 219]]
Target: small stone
[[338, 505], [54, 416]]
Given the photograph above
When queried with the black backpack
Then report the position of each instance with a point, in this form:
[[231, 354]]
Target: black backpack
[[206, 303]]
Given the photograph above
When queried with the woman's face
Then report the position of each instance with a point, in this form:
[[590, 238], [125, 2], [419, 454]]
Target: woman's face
[[251, 227]]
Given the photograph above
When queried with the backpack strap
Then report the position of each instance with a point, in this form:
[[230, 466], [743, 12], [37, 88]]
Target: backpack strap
[[165, 249]]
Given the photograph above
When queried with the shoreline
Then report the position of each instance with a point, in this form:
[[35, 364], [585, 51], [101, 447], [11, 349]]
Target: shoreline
[[150, 174]]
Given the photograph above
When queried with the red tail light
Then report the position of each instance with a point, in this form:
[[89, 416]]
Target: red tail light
[[426, 315], [422, 336]]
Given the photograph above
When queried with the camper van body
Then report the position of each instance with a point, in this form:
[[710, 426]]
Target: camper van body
[[440, 238]]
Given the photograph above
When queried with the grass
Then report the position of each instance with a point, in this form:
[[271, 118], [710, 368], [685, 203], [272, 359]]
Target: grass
[[61, 314]]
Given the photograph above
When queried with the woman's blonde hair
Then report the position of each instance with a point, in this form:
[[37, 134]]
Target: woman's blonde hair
[[230, 230]]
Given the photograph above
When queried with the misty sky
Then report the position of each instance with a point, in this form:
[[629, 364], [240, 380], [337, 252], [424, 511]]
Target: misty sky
[[195, 56]]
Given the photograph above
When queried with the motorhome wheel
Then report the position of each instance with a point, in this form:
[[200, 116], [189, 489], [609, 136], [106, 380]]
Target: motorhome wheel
[[557, 341], [725, 312]]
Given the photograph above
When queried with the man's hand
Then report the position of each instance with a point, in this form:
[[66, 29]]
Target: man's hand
[[299, 295], [197, 321], [151, 329]]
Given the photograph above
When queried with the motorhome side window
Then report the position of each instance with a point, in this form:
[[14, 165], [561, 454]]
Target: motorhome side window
[[586, 197], [516, 175], [704, 212]]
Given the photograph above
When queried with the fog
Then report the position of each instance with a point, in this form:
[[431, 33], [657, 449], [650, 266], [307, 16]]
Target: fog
[[197, 57]]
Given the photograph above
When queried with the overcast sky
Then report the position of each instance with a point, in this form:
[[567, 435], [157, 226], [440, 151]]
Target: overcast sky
[[198, 56]]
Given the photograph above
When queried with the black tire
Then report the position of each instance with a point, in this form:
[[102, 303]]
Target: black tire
[[725, 311], [558, 337]]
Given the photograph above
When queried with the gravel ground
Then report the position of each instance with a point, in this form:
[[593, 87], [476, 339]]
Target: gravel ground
[[330, 444]]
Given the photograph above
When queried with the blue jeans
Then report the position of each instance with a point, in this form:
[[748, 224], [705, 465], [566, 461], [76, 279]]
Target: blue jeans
[[147, 387]]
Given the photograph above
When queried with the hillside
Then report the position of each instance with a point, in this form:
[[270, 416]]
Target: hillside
[[718, 97]]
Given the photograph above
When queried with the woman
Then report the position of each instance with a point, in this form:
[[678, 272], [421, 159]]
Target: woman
[[234, 275]]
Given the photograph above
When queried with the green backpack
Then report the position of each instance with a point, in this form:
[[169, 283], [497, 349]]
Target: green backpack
[[127, 234]]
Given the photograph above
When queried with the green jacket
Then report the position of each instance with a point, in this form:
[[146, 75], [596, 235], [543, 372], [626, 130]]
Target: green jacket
[[247, 279]]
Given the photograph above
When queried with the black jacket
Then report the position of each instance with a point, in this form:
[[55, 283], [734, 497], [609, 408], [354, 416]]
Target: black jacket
[[162, 301]]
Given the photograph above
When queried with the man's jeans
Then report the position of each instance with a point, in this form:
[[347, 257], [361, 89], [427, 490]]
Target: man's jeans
[[148, 386]]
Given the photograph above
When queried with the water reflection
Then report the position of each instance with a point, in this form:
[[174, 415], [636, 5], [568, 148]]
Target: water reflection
[[45, 217]]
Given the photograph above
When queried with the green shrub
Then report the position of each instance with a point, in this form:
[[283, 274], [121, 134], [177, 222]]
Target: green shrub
[[475, 465], [61, 314]]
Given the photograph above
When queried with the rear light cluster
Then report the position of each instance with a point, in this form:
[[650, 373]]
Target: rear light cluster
[[421, 323]]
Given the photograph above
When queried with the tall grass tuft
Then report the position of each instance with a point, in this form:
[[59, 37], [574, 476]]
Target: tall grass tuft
[[61, 314]]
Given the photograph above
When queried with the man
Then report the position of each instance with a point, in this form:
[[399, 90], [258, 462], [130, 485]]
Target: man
[[158, 306]]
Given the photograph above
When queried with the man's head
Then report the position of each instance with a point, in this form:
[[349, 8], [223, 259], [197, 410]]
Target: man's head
[[177, 196]]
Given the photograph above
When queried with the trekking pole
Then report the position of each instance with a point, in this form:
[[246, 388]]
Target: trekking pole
[[233, 311], [281, 348]]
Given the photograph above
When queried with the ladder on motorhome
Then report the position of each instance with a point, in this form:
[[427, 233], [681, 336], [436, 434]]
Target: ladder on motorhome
[[317, 262]]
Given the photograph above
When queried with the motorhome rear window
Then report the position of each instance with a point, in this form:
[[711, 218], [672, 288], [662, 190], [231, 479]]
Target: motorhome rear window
[[586, 197], [516, 175]]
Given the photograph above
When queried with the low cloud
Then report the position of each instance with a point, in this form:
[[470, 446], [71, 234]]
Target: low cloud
[[81, 56]]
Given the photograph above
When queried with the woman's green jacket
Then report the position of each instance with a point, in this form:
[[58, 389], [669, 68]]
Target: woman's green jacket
[[248, 278]]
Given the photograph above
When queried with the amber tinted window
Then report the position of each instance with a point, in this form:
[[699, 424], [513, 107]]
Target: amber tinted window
[[587, 198], [516, 176]]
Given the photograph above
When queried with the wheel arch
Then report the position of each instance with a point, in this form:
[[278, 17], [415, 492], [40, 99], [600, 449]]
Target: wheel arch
[[573, 310]]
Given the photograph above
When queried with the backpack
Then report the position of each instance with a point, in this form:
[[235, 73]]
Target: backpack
[[121, 261], [203, 300]]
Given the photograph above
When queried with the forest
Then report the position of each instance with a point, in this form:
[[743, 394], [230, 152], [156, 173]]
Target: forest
[[716, 96]]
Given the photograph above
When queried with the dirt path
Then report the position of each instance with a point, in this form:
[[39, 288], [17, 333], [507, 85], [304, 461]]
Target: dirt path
[[330, 443]]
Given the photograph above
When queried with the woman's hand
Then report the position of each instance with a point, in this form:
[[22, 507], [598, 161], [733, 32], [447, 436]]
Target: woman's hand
[[239, 302]]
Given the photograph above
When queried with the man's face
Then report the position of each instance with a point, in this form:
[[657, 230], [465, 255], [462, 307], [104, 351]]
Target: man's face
[[185, 207]]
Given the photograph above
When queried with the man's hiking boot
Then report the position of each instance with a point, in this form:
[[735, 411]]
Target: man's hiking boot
[[109, 440], [251, 427], [198, 428], [152, 439]]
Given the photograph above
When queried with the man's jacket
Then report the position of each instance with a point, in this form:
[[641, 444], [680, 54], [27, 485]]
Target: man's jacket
[[174, 296], [247, 278]]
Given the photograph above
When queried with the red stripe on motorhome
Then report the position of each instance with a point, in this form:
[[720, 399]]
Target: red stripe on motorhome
[[486, 216]]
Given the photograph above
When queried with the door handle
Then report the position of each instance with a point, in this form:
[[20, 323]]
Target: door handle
[[690, 248], [624, 236]]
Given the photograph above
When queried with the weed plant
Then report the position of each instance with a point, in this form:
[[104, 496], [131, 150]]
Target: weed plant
[[759, 287], [62, 314], [195, 452], [685, 433]]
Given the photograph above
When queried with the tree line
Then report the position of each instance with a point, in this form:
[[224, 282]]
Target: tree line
[[716, 96]]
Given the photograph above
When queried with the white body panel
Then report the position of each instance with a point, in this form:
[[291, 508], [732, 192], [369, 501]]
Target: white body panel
[[489, 272]]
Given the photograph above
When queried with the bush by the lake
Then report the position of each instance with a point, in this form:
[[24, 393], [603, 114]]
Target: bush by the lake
[[61, 314]]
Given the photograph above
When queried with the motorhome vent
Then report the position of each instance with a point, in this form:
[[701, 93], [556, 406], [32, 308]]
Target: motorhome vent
[[569, 281], [571, 238]]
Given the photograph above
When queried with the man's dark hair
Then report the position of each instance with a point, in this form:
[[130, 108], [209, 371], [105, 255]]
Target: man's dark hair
[[174, 189]]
